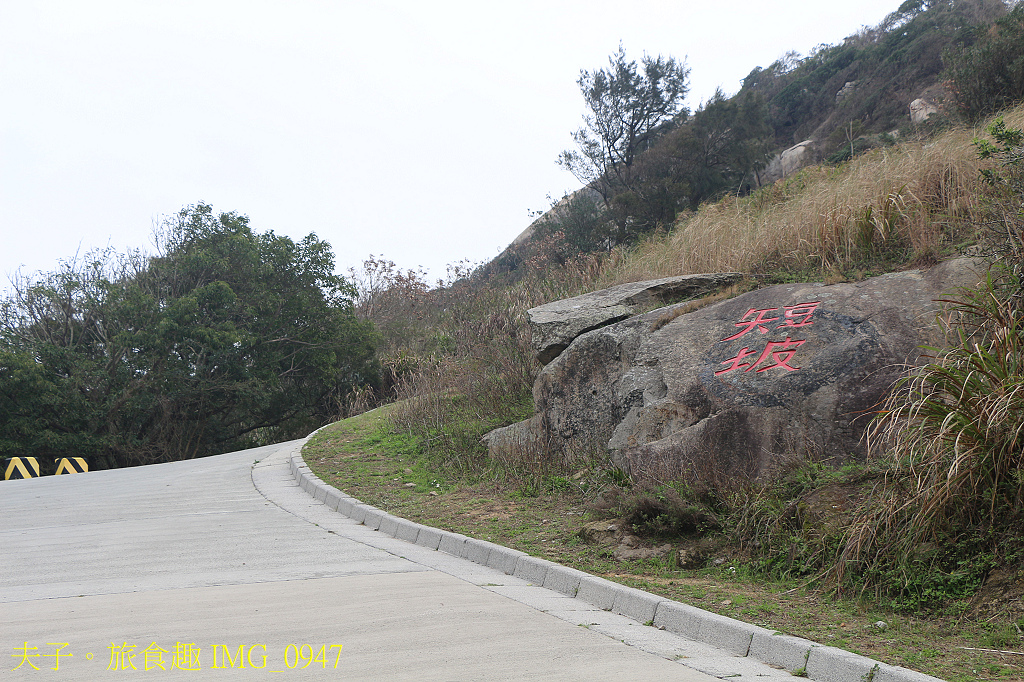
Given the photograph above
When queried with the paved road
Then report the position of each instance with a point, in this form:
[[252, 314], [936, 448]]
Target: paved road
[[225, 565]]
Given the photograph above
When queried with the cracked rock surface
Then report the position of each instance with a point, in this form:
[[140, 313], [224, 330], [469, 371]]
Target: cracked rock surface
[[555, 325]]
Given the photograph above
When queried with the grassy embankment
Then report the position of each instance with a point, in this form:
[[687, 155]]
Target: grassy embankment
[[897, 207]]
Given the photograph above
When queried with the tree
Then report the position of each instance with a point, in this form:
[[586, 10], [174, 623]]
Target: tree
[[629, 105], [724, 145], [721, 148], [224, 339]]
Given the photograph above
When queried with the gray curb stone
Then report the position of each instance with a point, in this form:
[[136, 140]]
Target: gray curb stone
[[407, 530], [429, 537], [333, 498], [358, 512], [597, 591], [732, 635], [823, 663], [829, 664], [388, 525], [789, 653], [531, 569], [682, 619], [452, 543], [476, 551], [504, 559], [636, 604], [345, 505], [372, 517], [564, 579]]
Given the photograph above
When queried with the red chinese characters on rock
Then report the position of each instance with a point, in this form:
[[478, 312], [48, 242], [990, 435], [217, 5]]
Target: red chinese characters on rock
[[777, 354]]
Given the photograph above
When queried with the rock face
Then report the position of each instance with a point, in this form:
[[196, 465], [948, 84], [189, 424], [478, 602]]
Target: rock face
[[556, 212], [921, 109], [737, 387], [555, 325], [788, 162], [846, 90]]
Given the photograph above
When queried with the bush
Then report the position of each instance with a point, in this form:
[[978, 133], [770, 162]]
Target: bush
[[1004, 215], [989, 75], [953, 434]]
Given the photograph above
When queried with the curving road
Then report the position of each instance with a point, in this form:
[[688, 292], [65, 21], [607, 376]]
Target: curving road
[[223, 568]]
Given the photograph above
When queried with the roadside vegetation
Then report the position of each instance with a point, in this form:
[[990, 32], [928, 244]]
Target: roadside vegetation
[[913, 556], [223, 339], [553, 516]]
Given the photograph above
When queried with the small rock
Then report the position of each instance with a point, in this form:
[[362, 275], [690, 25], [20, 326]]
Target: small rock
[[719, 561], [691, 558], [726, 602], [642, 552], [433, 493], [629, 541], [410, 485], [601, 532], [880, 625]]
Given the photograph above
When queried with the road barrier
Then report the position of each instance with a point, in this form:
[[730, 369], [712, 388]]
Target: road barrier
[[70, 465], [28, 467], [21, 467]]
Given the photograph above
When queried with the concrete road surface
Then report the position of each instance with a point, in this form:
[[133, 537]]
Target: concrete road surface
[[223, 568]]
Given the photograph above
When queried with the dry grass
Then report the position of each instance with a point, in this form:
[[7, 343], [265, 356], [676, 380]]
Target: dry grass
[[922, 194], [483, 376]]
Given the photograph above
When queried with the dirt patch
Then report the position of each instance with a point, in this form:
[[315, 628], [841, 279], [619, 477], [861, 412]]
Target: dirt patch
[[1001, 597]]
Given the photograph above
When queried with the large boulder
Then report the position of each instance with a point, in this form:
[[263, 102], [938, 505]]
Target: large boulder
[[921, 110], [788, 162], [740, 386], [555, 325]]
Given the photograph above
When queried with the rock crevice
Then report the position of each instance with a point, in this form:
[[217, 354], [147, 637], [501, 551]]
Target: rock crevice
[[555, 325]]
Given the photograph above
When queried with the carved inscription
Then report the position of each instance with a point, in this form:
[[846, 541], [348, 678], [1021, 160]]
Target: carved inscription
[[775, 354]]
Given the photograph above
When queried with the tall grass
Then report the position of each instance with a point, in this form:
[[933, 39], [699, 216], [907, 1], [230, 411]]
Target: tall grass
[[953, 438], [920, 196], [484, 376]]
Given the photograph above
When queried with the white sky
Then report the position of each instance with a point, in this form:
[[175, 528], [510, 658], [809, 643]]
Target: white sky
[[421, 130]]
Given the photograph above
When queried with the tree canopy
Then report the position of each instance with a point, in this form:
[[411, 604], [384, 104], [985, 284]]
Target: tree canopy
[[629, 104], [225, 338]]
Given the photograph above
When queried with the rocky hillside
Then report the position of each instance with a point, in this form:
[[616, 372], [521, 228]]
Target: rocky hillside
[[912, 74]]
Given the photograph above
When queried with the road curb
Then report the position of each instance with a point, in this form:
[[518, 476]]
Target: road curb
[[814, 661]]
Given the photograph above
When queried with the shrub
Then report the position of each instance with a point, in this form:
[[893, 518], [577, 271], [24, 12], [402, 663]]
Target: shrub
[[1004, 214], [954, 436], [989, 75]]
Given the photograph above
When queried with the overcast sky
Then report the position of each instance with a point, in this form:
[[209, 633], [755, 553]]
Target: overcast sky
[[423, 130]]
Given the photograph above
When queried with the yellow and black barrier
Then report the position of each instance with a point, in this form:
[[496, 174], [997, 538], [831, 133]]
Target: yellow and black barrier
[[21, 467], [70, 465]]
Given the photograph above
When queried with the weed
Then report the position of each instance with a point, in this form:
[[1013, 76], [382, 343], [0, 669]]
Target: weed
[[953, 435], [1001, 636]]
